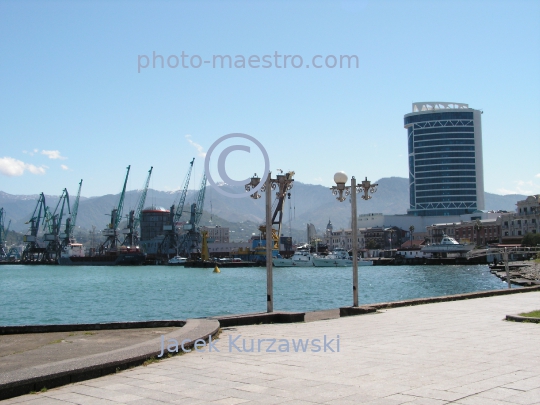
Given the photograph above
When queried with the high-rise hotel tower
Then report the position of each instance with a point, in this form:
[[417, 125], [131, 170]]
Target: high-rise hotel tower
[[446, 175]]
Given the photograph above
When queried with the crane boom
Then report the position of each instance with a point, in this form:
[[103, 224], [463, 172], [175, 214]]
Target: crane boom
[[3, 233], [120, 207], [142, 200], [34, 221], [71, 227], [180, 205], [200, 200]]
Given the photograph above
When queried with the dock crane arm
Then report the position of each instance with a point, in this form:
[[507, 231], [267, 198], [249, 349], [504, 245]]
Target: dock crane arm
[[200, 200], [120, 207], [36, 216], [180, 205], [142, 200], [73, 219]]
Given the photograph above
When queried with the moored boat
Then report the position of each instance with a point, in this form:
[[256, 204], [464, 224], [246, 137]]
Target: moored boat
[[447, 245], [338, 258], [301, 258]]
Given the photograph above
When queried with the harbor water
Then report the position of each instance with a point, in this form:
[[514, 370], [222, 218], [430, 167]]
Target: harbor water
[[32, 295]]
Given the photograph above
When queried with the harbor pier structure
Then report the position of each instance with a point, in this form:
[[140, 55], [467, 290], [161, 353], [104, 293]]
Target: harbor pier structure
[[446, 175]]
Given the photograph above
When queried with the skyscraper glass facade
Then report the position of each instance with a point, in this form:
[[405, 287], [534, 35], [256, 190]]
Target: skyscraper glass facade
[[445, 159]]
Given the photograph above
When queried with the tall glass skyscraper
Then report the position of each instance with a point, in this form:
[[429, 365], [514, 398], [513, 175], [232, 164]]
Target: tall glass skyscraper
[[446, 175]]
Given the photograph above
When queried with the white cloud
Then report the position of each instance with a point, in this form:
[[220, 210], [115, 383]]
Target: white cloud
[[53, 154], [199, 148], [521, 187], [538, 175], [64, 167], [13, 167]]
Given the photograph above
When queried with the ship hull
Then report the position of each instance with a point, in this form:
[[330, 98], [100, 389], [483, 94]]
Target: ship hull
[[322, 262], [128, 259], [292, 263]]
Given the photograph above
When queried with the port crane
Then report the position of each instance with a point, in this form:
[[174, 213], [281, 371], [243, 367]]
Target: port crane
[[191, 239], [53, 223], [3, 234], [111, 232], [134, 217], [68, 235], [33, 251], [169, 245]]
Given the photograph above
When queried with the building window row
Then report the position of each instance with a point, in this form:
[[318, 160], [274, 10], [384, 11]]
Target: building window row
[[445, 186], [446, 199], [438, 180], [440, 142], [424, 162], [441, 133], [444, 167], [439, 174], [421, 156], [470, 192], [438, 117], [443, 149]]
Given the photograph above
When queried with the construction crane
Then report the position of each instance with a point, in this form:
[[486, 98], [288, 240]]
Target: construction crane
[[191, 240], [134, 217], [52, 237], [68, 235], [3, 234], [169, 245], [33, 251], [111, 232]]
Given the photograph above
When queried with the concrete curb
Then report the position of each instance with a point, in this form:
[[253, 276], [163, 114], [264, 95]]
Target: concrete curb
[[260, 318], [73, 370], [351, 311], [517, 318], [457, 297], [365, 309], [21, 329]]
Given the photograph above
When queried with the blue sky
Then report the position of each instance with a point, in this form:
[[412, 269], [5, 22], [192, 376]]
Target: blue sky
[[74, 106]]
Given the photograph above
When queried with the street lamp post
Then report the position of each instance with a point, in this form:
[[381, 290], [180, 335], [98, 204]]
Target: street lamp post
[[283, 182], [342, 191]]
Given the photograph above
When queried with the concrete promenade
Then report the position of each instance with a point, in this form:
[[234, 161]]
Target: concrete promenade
[[459, 352]]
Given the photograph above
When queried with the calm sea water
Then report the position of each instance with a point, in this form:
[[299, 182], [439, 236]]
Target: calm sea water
[[61, 294]]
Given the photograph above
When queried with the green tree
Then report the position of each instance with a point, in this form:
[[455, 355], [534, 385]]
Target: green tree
[[531, 239], [371, 244]]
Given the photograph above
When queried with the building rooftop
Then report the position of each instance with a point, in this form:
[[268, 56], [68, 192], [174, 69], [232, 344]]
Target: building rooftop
[[437, 105]]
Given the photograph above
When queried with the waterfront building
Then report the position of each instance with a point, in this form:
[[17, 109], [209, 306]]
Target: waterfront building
[[525, 220], [412, 249], [154, 222], [445, 159], [480, 232], [342, 238], [368, 238]]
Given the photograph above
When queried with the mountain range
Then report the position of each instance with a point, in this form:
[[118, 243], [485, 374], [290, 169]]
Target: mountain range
[[308, 203]]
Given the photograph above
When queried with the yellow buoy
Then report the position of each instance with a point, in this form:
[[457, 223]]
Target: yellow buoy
[[216, 269]]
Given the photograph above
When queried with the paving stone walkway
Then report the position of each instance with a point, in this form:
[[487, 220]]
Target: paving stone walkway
[[460, 352]]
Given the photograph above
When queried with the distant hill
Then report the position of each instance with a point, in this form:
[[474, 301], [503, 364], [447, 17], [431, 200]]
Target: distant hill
[[308, 203]]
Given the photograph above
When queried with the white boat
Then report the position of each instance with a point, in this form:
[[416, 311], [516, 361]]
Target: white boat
[[301, 258], [177, 261], [447, 245], [338, 258]]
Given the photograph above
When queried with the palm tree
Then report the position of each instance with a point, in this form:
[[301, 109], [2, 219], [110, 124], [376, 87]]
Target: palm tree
[[411, 230]]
